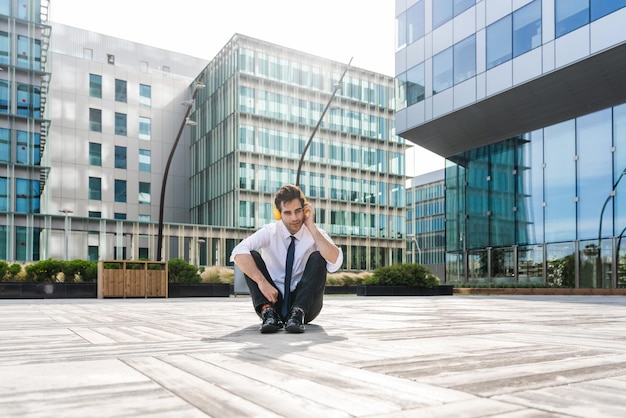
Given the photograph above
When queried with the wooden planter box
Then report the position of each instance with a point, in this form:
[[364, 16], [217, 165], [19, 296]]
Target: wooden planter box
[[441, 290], [132, 279]]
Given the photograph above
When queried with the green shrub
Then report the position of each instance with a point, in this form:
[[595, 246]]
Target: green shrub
[[44, 271], [77, 270], [4, 270], [403, 275], [15, 271], [180, 271]]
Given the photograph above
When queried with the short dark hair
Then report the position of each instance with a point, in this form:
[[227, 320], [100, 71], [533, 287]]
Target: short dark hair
[[287, 193]]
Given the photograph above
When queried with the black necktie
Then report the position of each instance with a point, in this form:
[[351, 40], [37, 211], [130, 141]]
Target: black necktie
[[288, 268]]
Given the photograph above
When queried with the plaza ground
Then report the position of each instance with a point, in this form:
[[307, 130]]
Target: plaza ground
[[450, 356]]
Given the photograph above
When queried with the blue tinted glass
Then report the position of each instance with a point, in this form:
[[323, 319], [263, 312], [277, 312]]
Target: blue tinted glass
[[465, 59], [442, 71], [401, 30], [560, 182], [595, 176], [415, 85], [415, 22], [442, 12], [527, 28], [462, 5], [499, 42], [619, 158], [570, 15], [600, 8], [120, 191]]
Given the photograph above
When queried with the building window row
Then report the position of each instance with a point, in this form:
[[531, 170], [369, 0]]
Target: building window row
[[120, 191], [27, 147], [27, 103], [573, 14], [121, 90], [297, 110], [27, 53], [121, 122], [311, 77], [27, 195]]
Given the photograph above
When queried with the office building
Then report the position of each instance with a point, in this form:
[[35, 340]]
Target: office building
[[90, 121], [425, 222], [526, 101]]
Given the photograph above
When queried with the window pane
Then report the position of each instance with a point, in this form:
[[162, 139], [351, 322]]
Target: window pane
[[145, 95], [415, 84], [527, 28], [600, 8], [144, 160], [95, 86], [4, 48], [499, 42], [401, 31], [95, 188], [465, 59], [95, 154], [120, 91], [145, 128], [5, 144], [120, 157], [570, 15], [144, 193], [120, 191], [462, 5], [560, 182], [95, 120], [442, 12], [595, 174], [120, 124], [415, 22], [442, 71]]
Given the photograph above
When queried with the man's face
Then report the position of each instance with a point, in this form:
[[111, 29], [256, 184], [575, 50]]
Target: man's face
[[292, 215]]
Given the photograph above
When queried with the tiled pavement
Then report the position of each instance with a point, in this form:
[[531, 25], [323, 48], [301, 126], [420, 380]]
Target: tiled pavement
[[455, 356]]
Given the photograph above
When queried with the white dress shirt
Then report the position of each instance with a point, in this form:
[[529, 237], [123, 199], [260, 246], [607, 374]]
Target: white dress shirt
[[272, 241]]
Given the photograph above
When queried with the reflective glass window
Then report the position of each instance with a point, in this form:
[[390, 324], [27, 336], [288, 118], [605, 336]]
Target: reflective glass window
[[95, 86], [499, 42], [95, 120], [95, 188], [145, 160], [145, 128], [415, 22], [120, 191], [120, 157], [527, 28], [5, 53], [600, 8], [120, 91], [442, 12], [570, 15], [27, 196], [560, 182], [95, 154], [145, 95], [619, 158], [415, 84], [464, 60], [560, 264], [4, 194], [144, 193], [442, 71], [5, 144], [120, 124], [595, 177]]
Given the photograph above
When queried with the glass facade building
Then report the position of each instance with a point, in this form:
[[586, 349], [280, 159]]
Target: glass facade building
[[259, 109], [90, 120], [526, 101]]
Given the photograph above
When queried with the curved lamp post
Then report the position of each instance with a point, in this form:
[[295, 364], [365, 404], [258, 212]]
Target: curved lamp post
[[186, 121], [336, 86], [599, 259]]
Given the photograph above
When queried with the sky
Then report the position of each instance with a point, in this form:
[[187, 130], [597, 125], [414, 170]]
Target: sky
[[361, 30]]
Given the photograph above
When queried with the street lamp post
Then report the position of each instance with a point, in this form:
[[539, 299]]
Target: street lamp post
[[66, 228], [336, 86], [186, 121]]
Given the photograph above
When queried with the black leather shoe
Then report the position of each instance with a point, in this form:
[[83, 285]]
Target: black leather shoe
[[271, 321], [295, 321]]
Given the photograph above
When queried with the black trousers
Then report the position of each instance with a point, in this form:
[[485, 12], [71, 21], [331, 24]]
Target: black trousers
[[308, 294]]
